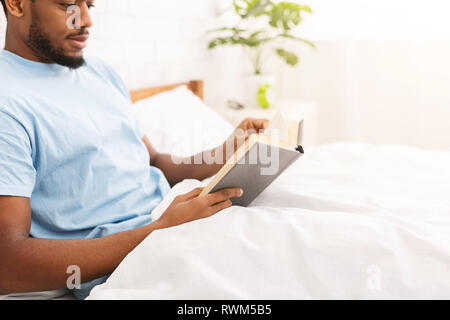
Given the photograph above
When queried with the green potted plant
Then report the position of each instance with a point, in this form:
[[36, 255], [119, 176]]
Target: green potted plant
[[264, 27]]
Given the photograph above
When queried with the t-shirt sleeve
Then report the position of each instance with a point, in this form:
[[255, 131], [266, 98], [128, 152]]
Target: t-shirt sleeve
[[17, 172]]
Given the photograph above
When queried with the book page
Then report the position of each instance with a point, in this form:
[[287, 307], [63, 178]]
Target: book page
[[288, 131]]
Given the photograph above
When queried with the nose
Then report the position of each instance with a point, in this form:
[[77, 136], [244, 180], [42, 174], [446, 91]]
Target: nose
[[85, 16]]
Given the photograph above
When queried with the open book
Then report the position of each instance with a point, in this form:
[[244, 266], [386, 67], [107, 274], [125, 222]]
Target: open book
[[260, 160]]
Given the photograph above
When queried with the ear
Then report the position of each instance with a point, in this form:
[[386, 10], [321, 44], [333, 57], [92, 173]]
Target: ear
[[15, 7]]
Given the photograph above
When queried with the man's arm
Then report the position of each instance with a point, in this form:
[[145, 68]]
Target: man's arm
[[176, 169], [191, 168], [28, 264]]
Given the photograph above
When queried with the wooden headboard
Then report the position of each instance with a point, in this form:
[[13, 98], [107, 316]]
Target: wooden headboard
[[196, 86]]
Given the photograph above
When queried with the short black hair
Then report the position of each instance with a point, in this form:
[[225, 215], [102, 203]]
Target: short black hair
[[4, 7]]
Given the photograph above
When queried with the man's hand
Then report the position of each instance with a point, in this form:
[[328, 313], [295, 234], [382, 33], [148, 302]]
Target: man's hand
[[241, 133], [254, 124], [189, 168], [189, 207]]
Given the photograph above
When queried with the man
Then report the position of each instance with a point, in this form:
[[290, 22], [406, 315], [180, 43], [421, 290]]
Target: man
[[78, 179]]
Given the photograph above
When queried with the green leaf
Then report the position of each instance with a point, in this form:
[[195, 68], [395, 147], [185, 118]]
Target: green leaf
[[219, 42], [307, 42], [235, 30], [240, 37], [247, 8], [287, 15], [289, 57]]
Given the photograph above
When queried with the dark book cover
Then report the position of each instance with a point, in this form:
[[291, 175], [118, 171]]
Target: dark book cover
[[254, 173]]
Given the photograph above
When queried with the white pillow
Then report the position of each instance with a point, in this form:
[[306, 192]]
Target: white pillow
[[180, 123]]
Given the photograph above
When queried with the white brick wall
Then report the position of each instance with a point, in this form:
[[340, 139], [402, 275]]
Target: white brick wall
[[154, 42]]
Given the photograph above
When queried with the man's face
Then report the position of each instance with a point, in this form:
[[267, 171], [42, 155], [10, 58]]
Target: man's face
[[59, 30]]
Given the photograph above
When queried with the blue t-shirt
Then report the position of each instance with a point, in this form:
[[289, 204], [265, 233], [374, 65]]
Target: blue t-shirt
[[70, 143]]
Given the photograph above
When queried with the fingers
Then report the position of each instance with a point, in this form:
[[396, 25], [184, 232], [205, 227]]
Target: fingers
[[260, 124], [190, 207], [239, 140], [219, 207], [255, 125], [223, 195], [265, 124], [190, 195]]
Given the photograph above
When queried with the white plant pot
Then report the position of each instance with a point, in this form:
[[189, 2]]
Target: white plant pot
[[258, 91]]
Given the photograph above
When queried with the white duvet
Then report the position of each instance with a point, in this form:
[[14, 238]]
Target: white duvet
[[347, 221]]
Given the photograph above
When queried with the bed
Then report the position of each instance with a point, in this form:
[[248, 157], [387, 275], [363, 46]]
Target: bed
[[347, 221]]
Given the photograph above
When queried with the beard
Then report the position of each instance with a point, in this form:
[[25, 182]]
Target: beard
[[40, 42]]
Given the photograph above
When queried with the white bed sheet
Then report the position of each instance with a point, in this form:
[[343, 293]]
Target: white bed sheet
[[347, 221]]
